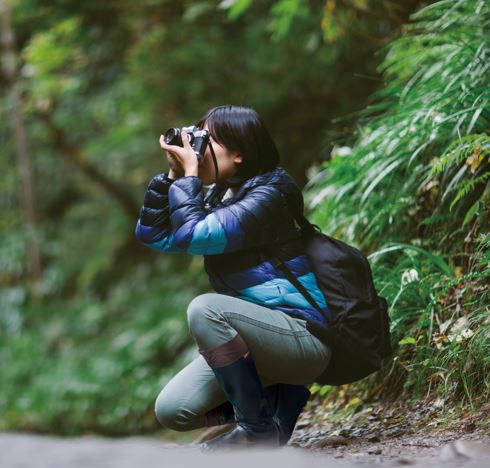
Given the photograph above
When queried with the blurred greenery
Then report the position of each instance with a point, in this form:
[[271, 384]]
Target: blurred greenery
[[385, 119]]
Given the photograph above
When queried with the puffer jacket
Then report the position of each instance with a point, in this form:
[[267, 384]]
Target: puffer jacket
[[231, 234]]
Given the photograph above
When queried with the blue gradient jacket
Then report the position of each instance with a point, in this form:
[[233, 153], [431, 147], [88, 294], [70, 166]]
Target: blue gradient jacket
[[229, 233]]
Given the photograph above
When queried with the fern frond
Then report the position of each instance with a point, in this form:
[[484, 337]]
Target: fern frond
[[459, 150], [467, 187]]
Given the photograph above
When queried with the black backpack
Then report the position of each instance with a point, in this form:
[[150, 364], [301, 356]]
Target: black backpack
[[359, 334]]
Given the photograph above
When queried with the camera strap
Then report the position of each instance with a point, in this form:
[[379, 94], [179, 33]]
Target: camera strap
[[215, 162], [213, 192]]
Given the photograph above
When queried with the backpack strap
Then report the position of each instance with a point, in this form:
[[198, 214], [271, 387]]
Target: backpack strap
[[307, 228], [278, 263]]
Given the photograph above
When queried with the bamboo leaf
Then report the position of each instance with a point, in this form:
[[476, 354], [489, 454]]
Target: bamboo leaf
[[474, 119], [471, 212], [407, 341], [391, 167], [435, 259]]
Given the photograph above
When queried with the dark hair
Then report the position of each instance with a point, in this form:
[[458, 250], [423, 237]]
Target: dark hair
[[241, 129]]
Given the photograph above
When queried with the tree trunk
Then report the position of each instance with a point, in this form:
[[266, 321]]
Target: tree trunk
[[22, 151]]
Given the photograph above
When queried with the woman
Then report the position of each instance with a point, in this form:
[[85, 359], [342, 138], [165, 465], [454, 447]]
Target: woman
[[256, 355]]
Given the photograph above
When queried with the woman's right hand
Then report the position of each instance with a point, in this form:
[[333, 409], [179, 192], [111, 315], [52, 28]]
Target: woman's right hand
[[181, 159]]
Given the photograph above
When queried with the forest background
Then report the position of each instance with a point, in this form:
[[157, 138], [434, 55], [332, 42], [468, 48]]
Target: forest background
[[380, 110]]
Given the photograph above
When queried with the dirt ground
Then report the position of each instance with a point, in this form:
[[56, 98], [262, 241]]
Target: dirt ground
[[19, 450], [397, 433], [436, 449], [381, 435]]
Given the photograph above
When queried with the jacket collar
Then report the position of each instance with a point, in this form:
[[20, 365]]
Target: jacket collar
[[278, 177]]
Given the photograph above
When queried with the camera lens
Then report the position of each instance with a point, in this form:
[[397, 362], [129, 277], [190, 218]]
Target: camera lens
[[172, 137]]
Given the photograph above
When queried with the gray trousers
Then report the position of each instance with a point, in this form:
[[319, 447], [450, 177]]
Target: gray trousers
[[283, 349]]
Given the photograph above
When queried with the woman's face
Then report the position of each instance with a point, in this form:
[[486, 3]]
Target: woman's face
[[228, 163]]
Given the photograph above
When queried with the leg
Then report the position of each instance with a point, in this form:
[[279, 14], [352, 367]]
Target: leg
[[283, 349], [183, 403], [227, 330], [287, 402], [193, 399]]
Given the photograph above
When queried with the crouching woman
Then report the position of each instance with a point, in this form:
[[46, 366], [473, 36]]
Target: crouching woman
[[256, 355]]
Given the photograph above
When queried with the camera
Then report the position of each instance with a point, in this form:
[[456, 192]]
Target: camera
[[198, 138]]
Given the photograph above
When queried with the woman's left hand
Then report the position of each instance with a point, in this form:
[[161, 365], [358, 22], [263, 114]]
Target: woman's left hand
[[184, 155]]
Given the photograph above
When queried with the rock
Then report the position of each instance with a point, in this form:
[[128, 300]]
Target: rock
[[375, 451], [394, 431], [405, 461], [302, 424], [333, 441], [467, 426], [312, 442], [358, 432]]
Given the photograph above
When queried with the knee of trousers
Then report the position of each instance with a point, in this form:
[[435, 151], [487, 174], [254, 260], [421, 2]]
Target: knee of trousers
[[171, 413], [204, 313]]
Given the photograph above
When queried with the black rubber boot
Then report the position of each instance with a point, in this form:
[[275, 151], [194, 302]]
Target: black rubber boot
[[253, 414], [286, 401]]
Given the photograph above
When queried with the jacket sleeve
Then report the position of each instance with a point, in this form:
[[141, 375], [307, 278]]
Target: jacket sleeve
[[244, 224], [153, 227]]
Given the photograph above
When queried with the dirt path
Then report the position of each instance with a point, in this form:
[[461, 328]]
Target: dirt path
[[440, 449], [34, 451], [394, 433]]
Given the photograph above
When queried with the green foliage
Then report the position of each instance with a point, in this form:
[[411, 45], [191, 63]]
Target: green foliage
[[414, 190], [474, 150], [91, 364], [285, 12], [101, 81], [340, 19], [235, 7], [50, 55]]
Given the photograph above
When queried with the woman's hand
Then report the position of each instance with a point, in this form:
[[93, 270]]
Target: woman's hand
[[182, 160], [176, 171]]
